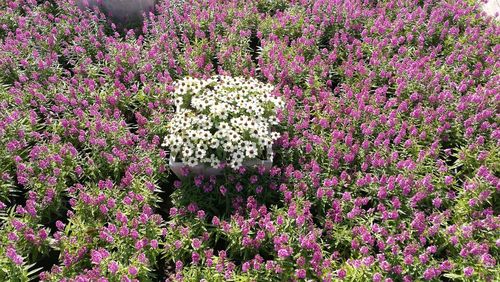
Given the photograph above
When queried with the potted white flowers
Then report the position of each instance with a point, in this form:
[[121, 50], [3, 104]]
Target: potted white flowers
[[221, 121]]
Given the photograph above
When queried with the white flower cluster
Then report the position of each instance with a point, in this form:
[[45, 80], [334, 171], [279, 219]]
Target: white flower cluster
[[222, 119]]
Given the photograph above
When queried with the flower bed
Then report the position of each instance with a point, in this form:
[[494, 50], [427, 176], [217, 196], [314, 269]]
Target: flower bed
[[386, 168]]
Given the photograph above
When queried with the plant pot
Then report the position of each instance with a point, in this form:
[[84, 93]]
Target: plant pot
[[178, 167], [122, 12]]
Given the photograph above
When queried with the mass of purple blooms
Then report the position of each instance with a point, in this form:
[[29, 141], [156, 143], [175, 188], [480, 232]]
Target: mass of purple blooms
[[387, 168]]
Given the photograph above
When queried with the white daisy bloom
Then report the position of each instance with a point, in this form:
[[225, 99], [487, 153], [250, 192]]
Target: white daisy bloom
[[187, 151], [251, 151], [200, 153], [214, 143], [192, 162]]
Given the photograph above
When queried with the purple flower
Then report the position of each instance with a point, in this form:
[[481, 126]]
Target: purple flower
[[12, 255], [245, 267], [178, 265], [300, 273], [283, 253], [200, 214], [113, 267], [341, 273], [173, 211], [195, 257], [154, 244], [132, 270], [196, 243], [223, 190], [215, 221], [431, 273], [468, 271], [488, 260], [254, 179], [95, 257]]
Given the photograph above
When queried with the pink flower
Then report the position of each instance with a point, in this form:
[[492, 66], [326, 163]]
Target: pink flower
[[300, 273], [113, 267], [12, 255], [468, 271], [195, 257], [215, 221], [341, 273], [196, 243], [223, 190], [178, 265], [377, 277], [154, 244], [132, 270], [283, 253], [245, 267]]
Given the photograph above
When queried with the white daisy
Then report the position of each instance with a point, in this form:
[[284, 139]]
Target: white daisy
[[192, 162]]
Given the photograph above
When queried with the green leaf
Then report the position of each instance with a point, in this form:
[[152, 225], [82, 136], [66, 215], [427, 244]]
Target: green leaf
[[453, 276]]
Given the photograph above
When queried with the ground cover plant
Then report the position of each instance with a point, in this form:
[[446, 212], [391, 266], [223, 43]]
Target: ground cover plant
[[386, 168]]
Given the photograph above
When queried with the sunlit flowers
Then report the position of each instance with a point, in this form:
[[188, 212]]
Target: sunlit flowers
[[222, 119]]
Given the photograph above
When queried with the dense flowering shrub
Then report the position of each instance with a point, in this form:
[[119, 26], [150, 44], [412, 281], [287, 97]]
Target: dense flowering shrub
[[386, 168], [222, 119]]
